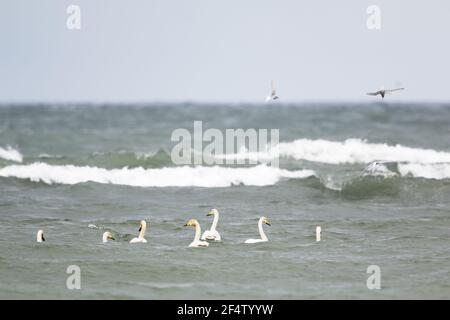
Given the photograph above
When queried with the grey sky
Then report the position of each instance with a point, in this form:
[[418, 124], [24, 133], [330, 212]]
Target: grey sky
[[222, 50]]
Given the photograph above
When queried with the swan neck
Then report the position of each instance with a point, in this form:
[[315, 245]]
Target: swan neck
[[105, 237], [215, 222], [261, 231], [142, 232], [198, 232]]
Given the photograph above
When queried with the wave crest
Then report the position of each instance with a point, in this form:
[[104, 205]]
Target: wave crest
[[186, 176], [350, 151], [10, 154], [438, 171]]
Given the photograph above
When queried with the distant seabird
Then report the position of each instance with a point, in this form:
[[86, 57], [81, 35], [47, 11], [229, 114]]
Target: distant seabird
[[384, 92], [273, 94]]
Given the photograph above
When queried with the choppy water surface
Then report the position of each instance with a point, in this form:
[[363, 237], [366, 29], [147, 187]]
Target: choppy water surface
[[63, 168]]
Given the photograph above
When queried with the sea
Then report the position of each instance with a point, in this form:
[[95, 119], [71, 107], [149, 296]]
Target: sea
[[374, 176]]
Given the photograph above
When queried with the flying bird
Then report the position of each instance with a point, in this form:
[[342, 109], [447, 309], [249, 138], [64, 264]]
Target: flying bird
[[273, 94], [384, 92]]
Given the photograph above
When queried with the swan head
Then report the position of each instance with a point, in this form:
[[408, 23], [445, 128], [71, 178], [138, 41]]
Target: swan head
[[265, 221], [191, 223], [107, 236], [213, 212], [142, 225], [40, 236]]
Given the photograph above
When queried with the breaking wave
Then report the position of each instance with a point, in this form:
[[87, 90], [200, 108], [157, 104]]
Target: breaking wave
[[10, 154], [350, 151], [186, 176], [438, 171]]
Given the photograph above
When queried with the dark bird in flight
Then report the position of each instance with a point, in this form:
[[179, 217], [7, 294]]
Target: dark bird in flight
[[382, 92]]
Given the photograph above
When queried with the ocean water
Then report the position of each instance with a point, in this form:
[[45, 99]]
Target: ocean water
[[78, 170]]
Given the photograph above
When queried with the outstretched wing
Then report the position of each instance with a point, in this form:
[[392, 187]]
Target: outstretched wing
[[392, 90], [373, 93], [274, 90]]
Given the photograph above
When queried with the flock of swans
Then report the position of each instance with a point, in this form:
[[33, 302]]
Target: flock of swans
[[200, 240], [212, 234]]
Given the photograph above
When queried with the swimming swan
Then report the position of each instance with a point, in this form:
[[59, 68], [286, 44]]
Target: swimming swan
[[107, 236], [212, 233], [40, 236], [261, 231], [197, 242], [142, 229], [318, 233]]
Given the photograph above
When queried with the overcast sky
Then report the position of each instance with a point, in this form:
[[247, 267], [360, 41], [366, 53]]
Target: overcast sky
[[222, 50]]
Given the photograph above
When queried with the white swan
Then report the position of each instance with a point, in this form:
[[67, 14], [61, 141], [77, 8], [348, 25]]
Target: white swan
[[107, 236], [197, 242], [142, 229], [318, 233], [40, 236], [261, 231], [212, 233]]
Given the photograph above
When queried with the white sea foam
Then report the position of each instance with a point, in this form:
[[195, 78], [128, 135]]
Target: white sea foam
[[10, 154], [437, 171], [351, 151], [378, 169], [260, 175]]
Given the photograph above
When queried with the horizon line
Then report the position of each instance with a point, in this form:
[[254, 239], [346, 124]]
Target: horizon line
[[220, 103]]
